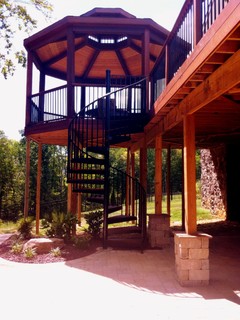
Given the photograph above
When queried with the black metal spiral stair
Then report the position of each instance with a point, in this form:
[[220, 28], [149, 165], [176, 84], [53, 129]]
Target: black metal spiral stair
[[91, 134]]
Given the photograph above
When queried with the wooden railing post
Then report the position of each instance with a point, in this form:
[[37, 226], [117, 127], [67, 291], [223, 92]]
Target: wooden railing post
[[197, 27]]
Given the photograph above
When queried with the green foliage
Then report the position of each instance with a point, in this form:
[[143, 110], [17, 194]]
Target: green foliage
[[56, 252], [29, 253], [14, 19], [62, 225], [12, 179], [94, 220], [83, 241], [25, 228], [16, 248]]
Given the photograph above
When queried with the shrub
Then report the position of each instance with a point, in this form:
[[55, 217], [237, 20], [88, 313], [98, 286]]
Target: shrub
[[56, 252], [82, 241], [62, 225], [94, 220], [29, 253], [16, 248], [25, 228]]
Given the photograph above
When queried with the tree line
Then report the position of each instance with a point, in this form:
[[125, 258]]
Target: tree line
[[54, 180], [13, 173]]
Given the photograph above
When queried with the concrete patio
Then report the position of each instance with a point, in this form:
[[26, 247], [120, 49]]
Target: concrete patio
[[122, 284]]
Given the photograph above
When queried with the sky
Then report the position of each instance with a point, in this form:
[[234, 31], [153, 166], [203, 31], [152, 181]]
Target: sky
[[13, 90]]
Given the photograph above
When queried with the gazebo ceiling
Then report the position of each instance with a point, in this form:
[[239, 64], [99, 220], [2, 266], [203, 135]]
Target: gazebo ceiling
[[103, 39]]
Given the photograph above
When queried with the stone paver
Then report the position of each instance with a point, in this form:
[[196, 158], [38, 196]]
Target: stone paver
[[121, 284]]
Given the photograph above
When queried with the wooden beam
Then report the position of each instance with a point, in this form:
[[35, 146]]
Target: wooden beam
[[158, 174], [190, 175]]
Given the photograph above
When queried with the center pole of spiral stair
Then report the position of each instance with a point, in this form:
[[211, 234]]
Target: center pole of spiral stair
[[106, 180]]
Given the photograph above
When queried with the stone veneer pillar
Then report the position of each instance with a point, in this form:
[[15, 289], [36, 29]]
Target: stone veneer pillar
[[192, 258], [159, 230]]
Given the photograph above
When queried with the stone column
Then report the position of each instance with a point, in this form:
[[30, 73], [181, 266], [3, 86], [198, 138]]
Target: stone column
[[192, 258], [159, 230]]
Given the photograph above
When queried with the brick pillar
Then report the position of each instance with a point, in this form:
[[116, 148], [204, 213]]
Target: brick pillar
[[159, 230], [192, 258]]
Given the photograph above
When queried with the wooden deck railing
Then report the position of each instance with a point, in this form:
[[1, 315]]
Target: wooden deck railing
[[194, 20], [51, 105]]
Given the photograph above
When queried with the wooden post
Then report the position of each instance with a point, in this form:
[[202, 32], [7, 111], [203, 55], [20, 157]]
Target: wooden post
[[197, 10], [168, 180], [158, 174], [133, 185], [145, 63], [190, 175], [27, 179], [79, 207], [127, 204], [183, 199], [167, 63], [41, 97], [143, 166], [70, 73], [72, 200], [29, 88], [38, 193]]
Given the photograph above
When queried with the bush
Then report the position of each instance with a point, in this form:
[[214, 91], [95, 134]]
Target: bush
[[56, 252], [62, 225], [25, 228], [94, 220], [29, 253], [82, 241], [16, 248]]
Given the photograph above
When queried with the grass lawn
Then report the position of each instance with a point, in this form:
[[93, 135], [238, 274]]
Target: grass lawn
[[176, 213], [176, 209]]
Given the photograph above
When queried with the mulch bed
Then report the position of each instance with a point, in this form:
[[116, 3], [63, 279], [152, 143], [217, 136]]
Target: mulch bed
[[69, 252]]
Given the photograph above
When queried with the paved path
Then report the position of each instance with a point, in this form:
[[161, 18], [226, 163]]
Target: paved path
[[120, 285]]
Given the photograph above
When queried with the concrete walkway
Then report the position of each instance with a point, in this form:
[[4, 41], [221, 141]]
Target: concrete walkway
[[122, 284]]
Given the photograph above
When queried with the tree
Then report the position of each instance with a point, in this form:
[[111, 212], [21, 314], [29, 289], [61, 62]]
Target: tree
[[15, 18], [11, 179]]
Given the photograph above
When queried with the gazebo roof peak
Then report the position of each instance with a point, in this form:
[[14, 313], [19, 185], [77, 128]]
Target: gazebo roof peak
[[108, 12]]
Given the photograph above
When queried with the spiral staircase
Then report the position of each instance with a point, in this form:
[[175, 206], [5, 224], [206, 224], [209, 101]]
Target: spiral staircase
[[105, 122]]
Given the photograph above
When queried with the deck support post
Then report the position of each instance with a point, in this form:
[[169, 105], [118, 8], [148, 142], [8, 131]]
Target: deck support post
[[191, 248], [168, 182], [38, 193], [159, 223], [158, 174], [132, 183], [190, 174], [27, 179], [128, 195], [72, 202]]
